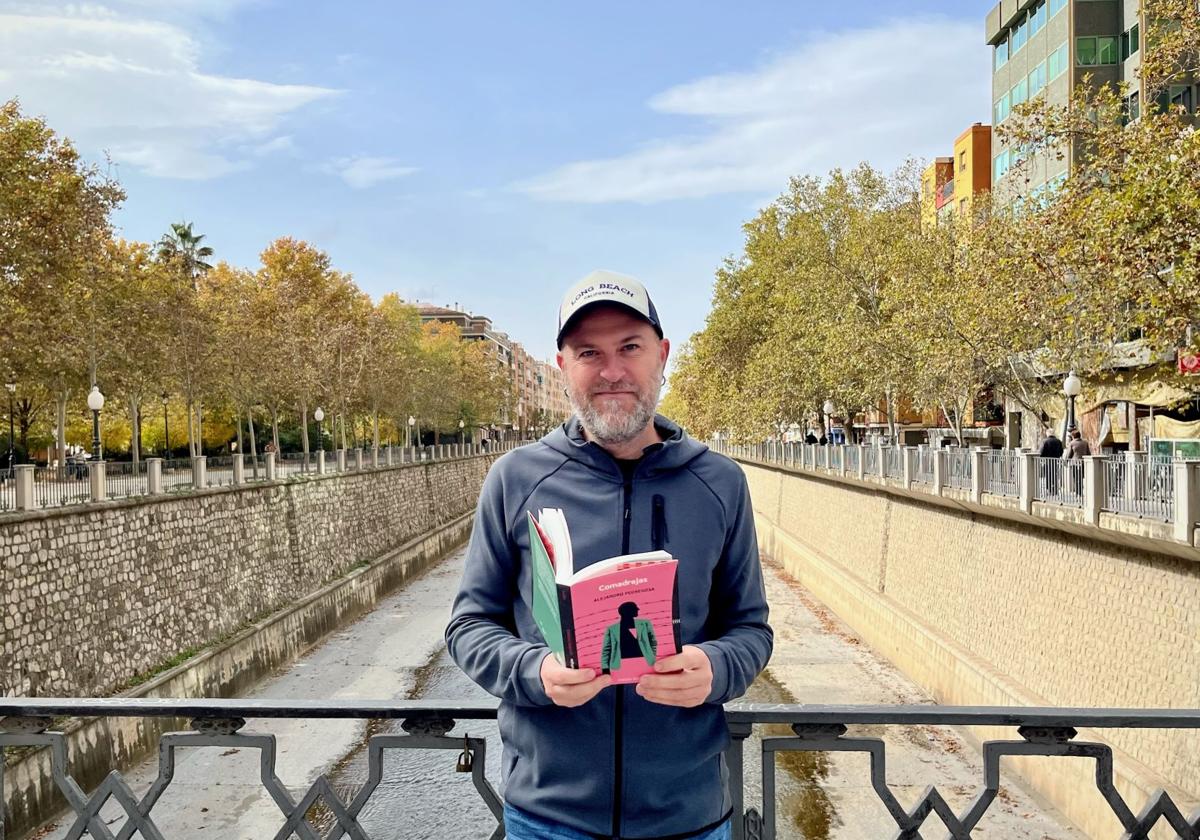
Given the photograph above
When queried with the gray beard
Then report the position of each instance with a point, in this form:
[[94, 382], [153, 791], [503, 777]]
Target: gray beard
[[615, 427]]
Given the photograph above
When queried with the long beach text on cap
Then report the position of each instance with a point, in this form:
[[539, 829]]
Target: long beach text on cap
[[600, 287]]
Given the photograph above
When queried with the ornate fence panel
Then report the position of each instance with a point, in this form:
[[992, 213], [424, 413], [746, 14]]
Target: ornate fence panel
[[1144, 488], [26, 723], [1059, 481], [959, 469], [1003, 472]]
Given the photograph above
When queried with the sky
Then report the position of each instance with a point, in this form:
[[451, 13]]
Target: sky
[[488, 155]]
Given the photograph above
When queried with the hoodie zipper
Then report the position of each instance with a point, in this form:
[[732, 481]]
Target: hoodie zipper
[[619, 717]]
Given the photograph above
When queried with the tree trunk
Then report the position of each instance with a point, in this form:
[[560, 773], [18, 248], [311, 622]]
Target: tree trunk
[[191, 438], [135, 438], [376, 416], [253, 443], [303, 429], [275, 428], [199, 429], [238, 425], [61, 443]]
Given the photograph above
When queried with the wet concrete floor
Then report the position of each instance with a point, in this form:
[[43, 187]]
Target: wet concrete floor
[[397, 652]]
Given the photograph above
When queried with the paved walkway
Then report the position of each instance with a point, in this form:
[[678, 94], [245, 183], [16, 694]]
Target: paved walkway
[[397, 652]]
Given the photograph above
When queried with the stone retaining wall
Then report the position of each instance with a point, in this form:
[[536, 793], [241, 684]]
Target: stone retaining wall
[[984, 611], [96, 595]]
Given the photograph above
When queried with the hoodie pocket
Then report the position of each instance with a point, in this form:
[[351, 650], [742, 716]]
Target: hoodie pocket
[[658, 523]]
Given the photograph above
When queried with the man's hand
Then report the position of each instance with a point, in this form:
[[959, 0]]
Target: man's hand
[[689, 684], [570, 687]]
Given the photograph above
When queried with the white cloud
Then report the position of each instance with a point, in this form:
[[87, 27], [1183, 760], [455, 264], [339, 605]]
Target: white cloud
[[133, 86], [363, 171], [881, 95]]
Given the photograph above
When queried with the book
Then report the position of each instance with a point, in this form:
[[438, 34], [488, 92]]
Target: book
[[617, 616]]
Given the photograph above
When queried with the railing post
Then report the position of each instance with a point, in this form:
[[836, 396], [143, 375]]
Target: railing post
[[154, 482], [341, 460], [881, 466], [374, 458], [96, 478], [939, 470], [1187, 500], [906, 453], [862, 462], [24, 487], [239, 469], [1093, 487], [199, 472], [979, 473], [358, 458], [1027, 479], [387, 455], [272, 466], [320, 462]]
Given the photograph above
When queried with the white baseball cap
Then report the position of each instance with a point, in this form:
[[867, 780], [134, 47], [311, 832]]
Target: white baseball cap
[[606, 287]]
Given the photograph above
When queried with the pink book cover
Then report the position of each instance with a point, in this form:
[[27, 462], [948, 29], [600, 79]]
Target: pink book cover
[[627, 619]]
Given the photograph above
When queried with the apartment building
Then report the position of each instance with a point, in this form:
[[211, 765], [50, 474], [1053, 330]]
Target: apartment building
[[949, 185]]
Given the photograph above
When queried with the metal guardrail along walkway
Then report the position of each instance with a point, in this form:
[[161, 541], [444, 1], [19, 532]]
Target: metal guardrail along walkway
[[218, 723]]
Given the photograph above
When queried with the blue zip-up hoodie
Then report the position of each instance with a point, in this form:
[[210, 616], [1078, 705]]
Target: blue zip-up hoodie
[[618, 766]]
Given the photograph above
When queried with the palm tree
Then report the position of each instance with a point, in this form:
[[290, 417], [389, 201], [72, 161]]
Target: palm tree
[[183, 245]]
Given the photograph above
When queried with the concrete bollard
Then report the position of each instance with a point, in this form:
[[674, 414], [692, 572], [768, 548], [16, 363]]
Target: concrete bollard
[[1187, 500], [24, 488], [979, 476], [1093, 487], [1027, 479], [199, 472], [320, 462], [239, 469], [96, 480], [154, 482], [272, 465]]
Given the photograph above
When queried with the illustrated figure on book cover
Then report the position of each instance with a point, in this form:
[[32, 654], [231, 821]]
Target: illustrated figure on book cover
[[629, 638]]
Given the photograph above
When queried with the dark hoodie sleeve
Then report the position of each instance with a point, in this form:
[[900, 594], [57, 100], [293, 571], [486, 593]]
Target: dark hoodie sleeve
[[743, 639], [481, 635]]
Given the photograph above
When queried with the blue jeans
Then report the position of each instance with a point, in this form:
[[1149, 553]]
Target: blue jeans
[[520, 825]]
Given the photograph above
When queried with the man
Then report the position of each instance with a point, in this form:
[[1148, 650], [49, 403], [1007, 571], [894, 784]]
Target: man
[[1052, 447], [584, 758], [1077, 447]]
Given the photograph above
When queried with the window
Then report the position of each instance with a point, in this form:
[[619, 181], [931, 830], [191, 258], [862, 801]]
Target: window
[[1133, 106], [1000, 166], [1037, 18], [1037, 79], [1129, 42], [1019, 93], [962, 206], [1020, 35], [1001, 54], [962, 162], [1085, 52], [1181, 97], [1108, 49], [1057, 6], [1002, 108], [1056, 64]]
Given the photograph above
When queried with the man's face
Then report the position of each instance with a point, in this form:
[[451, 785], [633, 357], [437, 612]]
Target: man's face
[[613, 362]]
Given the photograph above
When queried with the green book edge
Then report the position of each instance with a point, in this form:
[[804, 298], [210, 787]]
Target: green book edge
[[545, 594]]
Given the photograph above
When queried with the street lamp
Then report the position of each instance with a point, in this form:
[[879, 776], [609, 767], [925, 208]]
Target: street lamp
[[461, 424], [412, 421], [166, 426], [12, 389], [829, 407], [95, 403], [1071, 388], [319, 415]]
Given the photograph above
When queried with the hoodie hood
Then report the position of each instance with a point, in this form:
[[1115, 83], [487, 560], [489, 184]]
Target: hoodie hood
[[675, 450]]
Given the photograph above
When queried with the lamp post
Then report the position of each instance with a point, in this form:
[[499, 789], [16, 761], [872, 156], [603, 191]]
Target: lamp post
[[1071, 388], [829, 407], [319, 415], [166, 426], [95, 403], [412, 421], [461, 424], [12, 389]]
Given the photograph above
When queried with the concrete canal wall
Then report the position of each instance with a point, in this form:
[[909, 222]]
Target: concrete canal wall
[[981, 609]]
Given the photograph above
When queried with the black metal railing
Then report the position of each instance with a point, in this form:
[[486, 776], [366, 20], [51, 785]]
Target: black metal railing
[[26, 723]]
